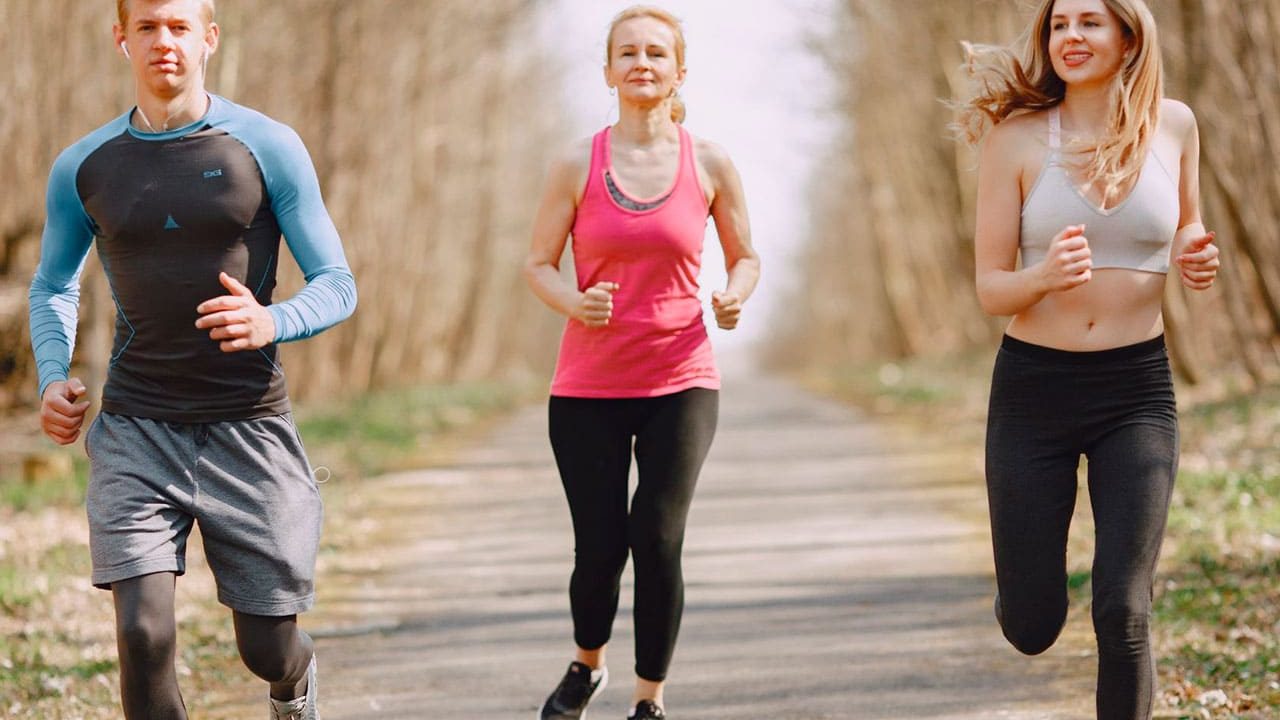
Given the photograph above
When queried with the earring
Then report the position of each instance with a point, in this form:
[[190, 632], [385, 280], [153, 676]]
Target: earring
[[612, 91]]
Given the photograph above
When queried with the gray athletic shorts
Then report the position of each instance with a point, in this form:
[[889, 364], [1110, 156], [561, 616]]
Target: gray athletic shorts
[[248, 484]]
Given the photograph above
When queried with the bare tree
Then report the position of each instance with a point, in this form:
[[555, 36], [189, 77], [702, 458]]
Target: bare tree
[[893, 235], [428, 129]]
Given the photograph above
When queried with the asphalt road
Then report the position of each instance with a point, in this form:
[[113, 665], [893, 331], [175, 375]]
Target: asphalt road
[[833, 570]]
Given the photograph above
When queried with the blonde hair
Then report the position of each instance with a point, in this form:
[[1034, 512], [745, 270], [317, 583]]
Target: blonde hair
[[1007, 83], [671, 21], [206, 12]]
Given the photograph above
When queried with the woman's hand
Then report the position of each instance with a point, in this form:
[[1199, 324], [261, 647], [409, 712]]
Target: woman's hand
[[1068, 263], [596, 305], [1199, 262], [728, 307]]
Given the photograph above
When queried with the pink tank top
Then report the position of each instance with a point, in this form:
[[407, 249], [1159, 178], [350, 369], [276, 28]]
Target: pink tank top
[[655, 342]]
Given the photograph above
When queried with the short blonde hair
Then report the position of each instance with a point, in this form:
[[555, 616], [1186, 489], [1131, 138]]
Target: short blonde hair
[[206, 14]]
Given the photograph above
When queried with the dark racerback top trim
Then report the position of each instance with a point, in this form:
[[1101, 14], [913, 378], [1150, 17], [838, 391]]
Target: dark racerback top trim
[[626, 202]]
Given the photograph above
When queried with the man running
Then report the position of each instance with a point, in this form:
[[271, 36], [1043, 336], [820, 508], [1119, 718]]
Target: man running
[[187, 196]]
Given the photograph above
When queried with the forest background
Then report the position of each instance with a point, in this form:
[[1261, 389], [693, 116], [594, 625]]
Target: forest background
[[430, 124]]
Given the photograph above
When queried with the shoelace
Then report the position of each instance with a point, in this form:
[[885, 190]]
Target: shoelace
[[291, 710], [650, 712]]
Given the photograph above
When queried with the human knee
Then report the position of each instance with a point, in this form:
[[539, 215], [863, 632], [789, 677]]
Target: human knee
[[657, 546], [601, 560], [146, 640], [1032, 639], [266, 660], [1031, 632], [1121, 625], [272, 648]]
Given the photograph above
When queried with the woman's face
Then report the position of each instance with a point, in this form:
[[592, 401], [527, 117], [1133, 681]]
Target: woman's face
[[643, 65], [1087, 43]]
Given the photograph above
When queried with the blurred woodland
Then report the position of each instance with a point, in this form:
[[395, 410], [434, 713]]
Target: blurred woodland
[[428, 123], [893, 223]]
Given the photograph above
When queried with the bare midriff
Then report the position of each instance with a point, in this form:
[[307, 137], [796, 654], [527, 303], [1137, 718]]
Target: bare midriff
[[1117, 307]]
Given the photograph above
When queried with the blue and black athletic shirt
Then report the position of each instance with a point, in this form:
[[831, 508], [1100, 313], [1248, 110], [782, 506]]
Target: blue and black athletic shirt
[[169, 211]]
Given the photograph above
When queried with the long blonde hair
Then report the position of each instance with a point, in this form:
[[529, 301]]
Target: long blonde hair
[[1007, 83], [671, 21]]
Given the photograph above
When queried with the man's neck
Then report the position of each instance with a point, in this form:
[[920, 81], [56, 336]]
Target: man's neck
[[161, 114]]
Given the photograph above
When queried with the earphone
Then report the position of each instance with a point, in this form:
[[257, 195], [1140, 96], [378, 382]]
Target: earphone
[[204, 60]]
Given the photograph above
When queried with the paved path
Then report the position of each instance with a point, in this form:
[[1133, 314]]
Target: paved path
[[831, 572]]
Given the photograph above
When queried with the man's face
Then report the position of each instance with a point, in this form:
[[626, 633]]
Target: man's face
[[168, 43]]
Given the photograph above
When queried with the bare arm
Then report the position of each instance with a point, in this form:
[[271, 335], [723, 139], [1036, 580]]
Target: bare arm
[[1002, 289], [729, 211], [551, 227], [1193, 248]]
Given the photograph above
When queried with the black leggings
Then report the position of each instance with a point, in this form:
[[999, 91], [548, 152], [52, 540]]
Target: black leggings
[[1116, 407], [273, 648], [592, 440]]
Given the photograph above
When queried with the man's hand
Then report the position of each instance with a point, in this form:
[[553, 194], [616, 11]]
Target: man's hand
[[236, 321], [60, 414]]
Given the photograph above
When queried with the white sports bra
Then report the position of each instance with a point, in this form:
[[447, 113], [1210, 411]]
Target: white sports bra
[[1137, 234]]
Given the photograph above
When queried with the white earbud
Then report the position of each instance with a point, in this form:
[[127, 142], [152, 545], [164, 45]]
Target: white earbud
[[124, 48]]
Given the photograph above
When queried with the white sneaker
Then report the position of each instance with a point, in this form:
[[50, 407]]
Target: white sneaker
[[303, 708]]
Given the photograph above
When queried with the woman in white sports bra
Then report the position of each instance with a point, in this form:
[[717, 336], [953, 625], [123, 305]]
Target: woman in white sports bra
[[1089, 178]]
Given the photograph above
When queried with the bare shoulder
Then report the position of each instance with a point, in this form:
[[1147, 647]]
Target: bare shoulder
[[574, 157], [1020, 134], [1016, 148], [712, 156], [1177, 117], [569, 167]]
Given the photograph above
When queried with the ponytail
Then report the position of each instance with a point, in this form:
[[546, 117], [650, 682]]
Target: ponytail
[[677, 108]]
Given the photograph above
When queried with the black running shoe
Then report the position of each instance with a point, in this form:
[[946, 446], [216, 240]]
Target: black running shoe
[[647, 710], [569, 700]]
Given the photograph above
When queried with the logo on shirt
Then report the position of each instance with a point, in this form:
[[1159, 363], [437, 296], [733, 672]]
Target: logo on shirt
[[171, 224], [212, 173]]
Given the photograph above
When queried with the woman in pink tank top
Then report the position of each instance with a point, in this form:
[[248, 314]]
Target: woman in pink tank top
[[635, 372], [1088, 192]]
